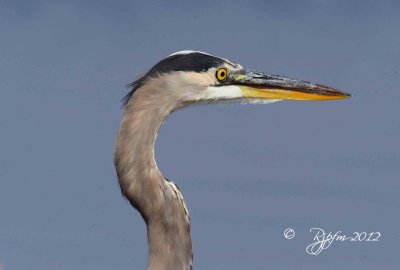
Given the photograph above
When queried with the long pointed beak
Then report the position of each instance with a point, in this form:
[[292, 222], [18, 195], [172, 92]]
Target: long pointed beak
[[261, 85]]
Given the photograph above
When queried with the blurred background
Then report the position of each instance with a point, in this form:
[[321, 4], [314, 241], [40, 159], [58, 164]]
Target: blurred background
[[247, 172]]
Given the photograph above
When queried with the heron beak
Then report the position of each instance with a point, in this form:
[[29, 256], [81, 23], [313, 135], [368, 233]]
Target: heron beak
[[261, 85]]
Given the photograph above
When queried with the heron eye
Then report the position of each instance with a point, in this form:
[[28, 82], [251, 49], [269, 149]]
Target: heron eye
[[221, 74]]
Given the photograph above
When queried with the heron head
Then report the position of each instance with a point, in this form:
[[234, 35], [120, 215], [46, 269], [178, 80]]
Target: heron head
[[192, 76]]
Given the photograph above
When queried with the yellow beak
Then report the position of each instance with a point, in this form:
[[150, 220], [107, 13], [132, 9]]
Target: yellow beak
[[261, 85], [270, 93]]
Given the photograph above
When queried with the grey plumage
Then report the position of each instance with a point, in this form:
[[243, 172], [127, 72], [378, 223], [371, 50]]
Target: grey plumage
[[180, 80], [195, 61]]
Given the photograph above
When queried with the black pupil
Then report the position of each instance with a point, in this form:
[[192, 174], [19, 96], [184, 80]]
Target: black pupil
[[222, 74]]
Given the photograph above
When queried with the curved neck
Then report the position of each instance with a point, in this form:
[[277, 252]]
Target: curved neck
[[159, 201]]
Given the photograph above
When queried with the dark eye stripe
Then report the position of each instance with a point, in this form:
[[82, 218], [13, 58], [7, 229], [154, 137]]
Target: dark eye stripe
[[196, 62]]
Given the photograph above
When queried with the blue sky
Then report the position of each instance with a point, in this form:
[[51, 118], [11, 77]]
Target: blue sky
[[247, 172]]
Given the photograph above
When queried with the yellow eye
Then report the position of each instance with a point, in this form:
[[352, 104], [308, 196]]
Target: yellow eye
[[221, 74]]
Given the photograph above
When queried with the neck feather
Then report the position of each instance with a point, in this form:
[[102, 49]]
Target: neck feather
[[159, 201]]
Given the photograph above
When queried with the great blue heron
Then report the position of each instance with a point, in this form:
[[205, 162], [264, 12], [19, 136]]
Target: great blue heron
[[181, 79]]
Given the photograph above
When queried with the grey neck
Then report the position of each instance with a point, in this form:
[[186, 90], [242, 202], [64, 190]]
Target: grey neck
[[159, 201]]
